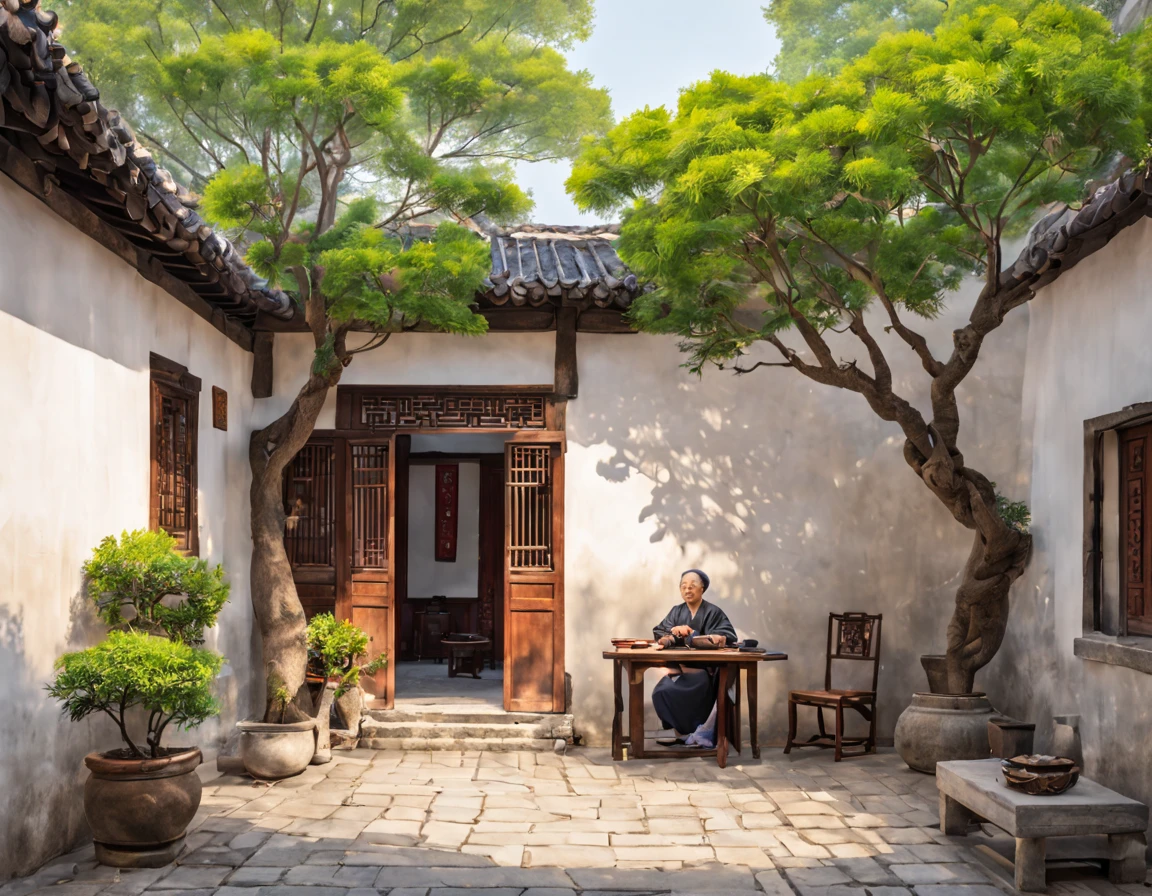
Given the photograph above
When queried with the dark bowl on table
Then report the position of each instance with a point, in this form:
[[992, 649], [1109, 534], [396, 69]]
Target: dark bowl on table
[[1040, 775]]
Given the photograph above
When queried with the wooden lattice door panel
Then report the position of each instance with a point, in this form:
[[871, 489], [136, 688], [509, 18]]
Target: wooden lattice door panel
[[534, 574], [1136, 543], [175, 404], [370, 521], [310, 484]]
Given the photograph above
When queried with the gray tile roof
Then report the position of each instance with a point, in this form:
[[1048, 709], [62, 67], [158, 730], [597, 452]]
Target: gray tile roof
[[1066, 236], [52, 113], [534, 265]]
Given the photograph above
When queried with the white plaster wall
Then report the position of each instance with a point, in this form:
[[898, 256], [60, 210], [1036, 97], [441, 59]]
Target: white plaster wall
[[427, 576], [413, 359], [76, 327], [1087, 356]]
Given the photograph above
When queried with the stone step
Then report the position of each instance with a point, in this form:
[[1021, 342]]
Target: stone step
[[495, 745], [439, 728], [462, 716], [454, 730]]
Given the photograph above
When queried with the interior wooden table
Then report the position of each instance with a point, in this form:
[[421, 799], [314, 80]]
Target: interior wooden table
[[630, 665]]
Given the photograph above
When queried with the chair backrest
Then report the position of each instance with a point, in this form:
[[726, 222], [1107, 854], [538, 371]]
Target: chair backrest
[[853, 636]]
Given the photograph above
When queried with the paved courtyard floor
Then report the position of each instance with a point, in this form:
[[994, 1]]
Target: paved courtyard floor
[[530, 824]]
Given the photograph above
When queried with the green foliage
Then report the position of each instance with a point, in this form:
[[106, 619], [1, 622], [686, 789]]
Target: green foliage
[[762, 206], [823, 36], [169, 680], [163, 591], [337, 645], [1014, 513], [311, 128]]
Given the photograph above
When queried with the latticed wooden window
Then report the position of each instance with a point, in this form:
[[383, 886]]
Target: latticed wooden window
[[530, 508], [310, 507], [369, 506], [1135, 539], [175, 404]]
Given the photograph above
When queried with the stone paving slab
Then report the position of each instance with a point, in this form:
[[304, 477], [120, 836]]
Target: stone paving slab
[[472, 823]]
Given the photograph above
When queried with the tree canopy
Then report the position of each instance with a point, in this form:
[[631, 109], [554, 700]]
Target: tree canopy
[[885, 182], [822, 36], [294, 116]]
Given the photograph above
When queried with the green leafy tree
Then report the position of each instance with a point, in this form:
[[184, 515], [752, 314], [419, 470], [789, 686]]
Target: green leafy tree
[[337, 646], [169, 680], [318, 131], [825, 35], [141, 581], [769, 215], [822, 36]]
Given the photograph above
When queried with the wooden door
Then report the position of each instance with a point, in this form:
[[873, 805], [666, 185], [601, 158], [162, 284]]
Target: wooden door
[[1136, 559], [313, 507], [534, 572], [367, 595]]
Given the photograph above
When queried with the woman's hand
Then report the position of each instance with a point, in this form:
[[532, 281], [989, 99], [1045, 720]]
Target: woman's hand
[[682, 631]]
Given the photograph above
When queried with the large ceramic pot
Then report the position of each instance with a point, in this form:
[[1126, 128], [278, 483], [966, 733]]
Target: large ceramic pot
[[139, 809], [276, 751], [939, 727]]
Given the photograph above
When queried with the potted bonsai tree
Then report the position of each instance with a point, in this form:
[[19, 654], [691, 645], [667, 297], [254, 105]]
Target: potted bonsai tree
[[140, 797], [335, 647]]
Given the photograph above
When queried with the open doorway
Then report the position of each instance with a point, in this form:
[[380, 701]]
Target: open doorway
[[450, 570]]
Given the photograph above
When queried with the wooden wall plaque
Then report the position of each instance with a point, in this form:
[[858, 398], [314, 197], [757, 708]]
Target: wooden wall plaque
[[219, 408]]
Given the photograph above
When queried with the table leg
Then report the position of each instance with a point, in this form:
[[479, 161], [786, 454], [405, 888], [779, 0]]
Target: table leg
[[1126, 858], [737, 734], [753, 694], [617, 712], [722, 719], [1030, 853], [954, 816], [635, 712]]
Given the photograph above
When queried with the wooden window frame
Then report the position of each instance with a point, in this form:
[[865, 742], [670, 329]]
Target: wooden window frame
[[172, 380], [1105, 637]]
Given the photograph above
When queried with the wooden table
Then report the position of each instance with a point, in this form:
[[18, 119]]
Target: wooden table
[[632, 664], [975, 788], [465, 653]]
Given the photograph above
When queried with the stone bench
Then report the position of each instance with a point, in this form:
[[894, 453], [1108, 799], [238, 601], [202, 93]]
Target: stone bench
[[976, 788]]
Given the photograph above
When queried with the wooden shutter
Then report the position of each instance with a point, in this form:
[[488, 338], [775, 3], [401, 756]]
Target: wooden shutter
[[175, 402], [310, 510], [1136, 560], [534, 575]]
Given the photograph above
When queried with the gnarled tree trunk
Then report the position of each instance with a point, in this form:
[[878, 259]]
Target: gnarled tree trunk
[[999, 554], [279, 613]]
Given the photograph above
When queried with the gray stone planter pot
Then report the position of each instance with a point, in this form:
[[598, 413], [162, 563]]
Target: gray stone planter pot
[[939, 727], [139, 809], [277, 751]]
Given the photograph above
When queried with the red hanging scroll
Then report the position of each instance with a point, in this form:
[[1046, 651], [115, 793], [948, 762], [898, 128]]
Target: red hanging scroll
[[447, 499]]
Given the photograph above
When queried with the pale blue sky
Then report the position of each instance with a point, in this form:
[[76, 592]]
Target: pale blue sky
[[644, 52]]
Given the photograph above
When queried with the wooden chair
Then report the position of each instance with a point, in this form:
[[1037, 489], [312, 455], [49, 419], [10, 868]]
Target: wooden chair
[[858, 639]]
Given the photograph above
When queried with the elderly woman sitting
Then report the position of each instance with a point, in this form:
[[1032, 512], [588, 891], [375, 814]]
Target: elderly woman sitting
[[685, 698]]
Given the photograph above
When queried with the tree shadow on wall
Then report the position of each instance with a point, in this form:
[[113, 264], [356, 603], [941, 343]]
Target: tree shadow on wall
[[793, 496]]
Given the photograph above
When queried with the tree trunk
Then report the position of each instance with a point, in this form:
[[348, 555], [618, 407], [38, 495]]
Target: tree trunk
[[999, 554], [981, 615], [274, 599]]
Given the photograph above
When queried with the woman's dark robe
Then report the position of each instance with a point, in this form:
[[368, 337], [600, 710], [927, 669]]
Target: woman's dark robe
[[684, 702]]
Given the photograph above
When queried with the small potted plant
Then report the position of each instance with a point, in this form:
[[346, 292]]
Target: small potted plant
[[335, 647], [140, 797]]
